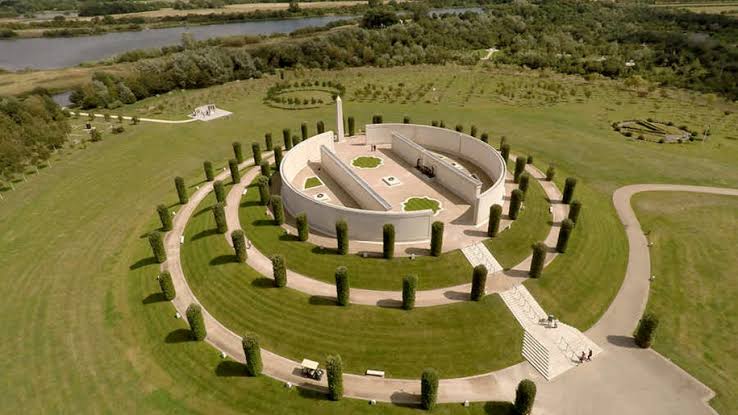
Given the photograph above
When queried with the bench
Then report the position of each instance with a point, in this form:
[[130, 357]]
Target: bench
[[377, 373]]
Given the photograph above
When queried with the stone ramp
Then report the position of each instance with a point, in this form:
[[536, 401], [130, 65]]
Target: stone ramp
[[552, 351], [479, 254]]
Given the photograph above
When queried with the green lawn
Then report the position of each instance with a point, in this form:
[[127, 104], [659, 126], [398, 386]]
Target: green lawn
[[421, 203], [447, 338], [366, 162], [311, 182], [533, 224], [693, 257], [85, 332]]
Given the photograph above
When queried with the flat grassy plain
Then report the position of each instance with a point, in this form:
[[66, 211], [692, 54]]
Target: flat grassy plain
[[87, 332], [693, 258]]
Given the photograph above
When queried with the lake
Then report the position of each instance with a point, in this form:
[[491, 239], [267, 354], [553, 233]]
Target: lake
[[47, 53]]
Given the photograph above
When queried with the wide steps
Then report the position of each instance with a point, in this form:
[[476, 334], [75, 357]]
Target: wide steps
[[478, 254]]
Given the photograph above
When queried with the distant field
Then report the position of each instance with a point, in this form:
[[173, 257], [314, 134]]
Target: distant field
[[726, 7]]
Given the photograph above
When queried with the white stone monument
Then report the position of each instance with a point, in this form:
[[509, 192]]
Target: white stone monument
[[339, 118]]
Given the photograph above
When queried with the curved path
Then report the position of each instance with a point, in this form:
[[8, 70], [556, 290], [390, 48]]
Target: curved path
[[129, 118], [496, 282], [625, 380]]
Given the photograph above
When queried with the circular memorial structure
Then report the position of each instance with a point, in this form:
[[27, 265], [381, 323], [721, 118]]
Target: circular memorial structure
[[462, 175]]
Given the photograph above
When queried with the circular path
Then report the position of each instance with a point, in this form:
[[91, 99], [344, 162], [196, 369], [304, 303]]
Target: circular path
[[497, 282], [624, 380]]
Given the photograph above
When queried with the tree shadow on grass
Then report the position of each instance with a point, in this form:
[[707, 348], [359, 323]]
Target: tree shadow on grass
[[179, 336], [263, 222], [322, 250], [499, 408], [250, 203], [224, 259], [230, 369], [311, 391], [263, 282], [154, 298], [203, 210], [143, 262], [322, 300], [204, 234]]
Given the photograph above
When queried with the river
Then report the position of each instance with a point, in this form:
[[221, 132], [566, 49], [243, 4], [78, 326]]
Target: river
[[47, 53]]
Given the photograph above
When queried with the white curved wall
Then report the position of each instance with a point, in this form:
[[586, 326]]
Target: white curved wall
[[465, 146], [364, 225]]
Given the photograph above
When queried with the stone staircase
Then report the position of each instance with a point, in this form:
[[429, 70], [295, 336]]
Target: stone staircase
[[551, 351], [479, 254]]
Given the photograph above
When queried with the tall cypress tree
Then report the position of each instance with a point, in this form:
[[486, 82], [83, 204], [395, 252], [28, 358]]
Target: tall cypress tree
[[235, 173], [569, 184], [519, 168], [304, 131], [516, 199], [342, 239], [157, 246], [220, 219], [388, 241], [278, 156], [505, 152], [268, 142], [252, 351], [208, 167], [167, 285], [436, 238], [343, 290], [179, 184], [334, 370], [164, 217], [351, 126], [264, 192], [197, 323], [239, 245], [237, 151], [538, 259], [495, 216], [277, 209], [219, 190], [256, 151], [409, 284], [287, 138], [564, 234], [479, 282]]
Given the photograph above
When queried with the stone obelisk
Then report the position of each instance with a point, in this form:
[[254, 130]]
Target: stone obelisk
[[339, 118]]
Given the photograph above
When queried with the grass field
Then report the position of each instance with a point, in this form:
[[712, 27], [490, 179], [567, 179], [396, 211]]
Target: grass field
[[86, 332], [299, 326], [693, 258]]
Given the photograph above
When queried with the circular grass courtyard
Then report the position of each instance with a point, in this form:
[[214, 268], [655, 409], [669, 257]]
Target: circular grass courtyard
[[295, 325]]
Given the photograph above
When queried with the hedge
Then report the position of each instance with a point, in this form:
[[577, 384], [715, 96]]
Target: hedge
[[569, 186], [268, 142], [523, 183], [303, 228], [645, 331], [334, 370], [479, 282], [167, 285], [277, 209], [525, 396], [495, 216], [342, 286], [252, 351], [219, 190], [197, 323], [304, 131], [264, 192], [179, 184], [388, 241], [238, 151], [256, 152], [550, 173], [564, 234], [208, 167], [409, 285], [157, 246], [428, 388], [539, 257], [165, 217], [279, 270], [287, 137], [265, 170], [278, 156], [436, 238], [505, 152], [235, 173], [320, 126], [342, 237], [575, 207], [351, 126], [516, 199], [220, 220], [239, 245], [519, 169]]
